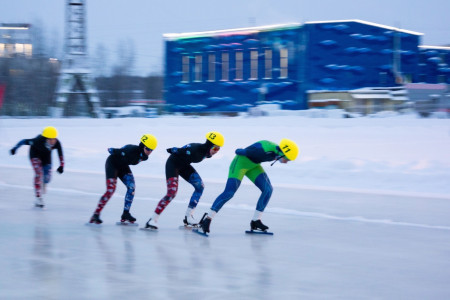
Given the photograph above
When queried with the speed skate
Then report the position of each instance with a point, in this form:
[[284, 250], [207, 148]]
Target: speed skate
[[258, 232], [127, 223], [187, 227]]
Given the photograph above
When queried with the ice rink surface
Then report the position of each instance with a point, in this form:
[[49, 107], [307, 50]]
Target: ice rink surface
[[343, 246], [363, 213]]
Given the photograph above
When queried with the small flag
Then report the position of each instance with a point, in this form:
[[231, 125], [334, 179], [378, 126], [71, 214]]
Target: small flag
[[2, 92]]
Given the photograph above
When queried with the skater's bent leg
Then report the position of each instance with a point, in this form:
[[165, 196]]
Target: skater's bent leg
[[128, 180], [172, 189], [198, 185], [230, 189], [47, 173], [110, 188], [38, 175], [263, 183]]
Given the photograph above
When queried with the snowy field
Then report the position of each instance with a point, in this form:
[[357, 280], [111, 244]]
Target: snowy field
[[363, 213]]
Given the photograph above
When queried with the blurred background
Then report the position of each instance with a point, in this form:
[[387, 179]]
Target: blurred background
[[101, 59]]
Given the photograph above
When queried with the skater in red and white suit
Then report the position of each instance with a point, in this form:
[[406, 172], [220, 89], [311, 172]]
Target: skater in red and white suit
[[118, 166], [179, 164], [41, 159]]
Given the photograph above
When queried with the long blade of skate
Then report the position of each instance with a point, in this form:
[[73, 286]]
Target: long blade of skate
[[127, 224], [258, 232], [198, 231]]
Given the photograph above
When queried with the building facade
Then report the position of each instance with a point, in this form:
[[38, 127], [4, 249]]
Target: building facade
[[15, 40], [231, 70], [434, 64]]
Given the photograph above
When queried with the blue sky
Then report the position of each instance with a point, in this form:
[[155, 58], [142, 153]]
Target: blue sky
[[143, 22]]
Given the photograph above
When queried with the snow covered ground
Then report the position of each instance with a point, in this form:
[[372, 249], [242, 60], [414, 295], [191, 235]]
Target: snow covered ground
[[361, 214]]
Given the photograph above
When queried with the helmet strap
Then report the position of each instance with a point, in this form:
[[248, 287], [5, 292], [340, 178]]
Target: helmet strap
[[276, 159], [273, 162]]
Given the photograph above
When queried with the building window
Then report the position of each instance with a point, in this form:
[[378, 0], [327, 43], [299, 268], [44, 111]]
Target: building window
[[212, 67], [185, 68], [422, 59], [198, 68], [28, 49], [267, 64], [422, 78], [9, 49], [253, 64], [225, 65], [283, 63], [383, 78], [19, 48], [407, 78], [239, 65]]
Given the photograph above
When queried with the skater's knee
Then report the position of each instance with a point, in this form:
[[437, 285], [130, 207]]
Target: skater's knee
[[131, 188], [47, 179], [111, 181], [197, 182], [268, 189], [172, 188], [227, 194], [111, 185], [171, 194], [199, 188]]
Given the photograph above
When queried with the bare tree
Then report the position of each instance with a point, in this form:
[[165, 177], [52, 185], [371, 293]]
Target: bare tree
[[30, 81], [126, 57], [100, 61], [38, 39]]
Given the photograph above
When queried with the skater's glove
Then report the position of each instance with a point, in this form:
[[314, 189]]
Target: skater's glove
[[172, 150], [241, 152], [13, 151], [60, 169]]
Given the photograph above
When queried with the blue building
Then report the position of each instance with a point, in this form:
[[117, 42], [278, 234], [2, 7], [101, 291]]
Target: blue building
[[231, 70], [434, 64]]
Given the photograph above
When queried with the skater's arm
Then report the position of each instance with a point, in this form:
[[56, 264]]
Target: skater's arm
[[114, 151], [172, 150], [19, 144], [240, 151], [58, 147], [185, 150], [260, 151]]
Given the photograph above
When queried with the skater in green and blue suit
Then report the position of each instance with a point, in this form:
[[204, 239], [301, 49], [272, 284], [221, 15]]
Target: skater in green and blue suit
[[248, 163]]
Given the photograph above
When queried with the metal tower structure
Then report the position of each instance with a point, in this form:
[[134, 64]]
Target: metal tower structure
[[76, 84]]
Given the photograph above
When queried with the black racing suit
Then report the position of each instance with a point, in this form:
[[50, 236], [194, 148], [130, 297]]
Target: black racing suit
[[41, 159], [117, 165], [179, 164]]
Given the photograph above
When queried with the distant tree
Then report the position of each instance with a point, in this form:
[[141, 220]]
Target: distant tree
[[100, 61], [153, 86], [30, 82], [125, 58], [53, 48], [118, 90], [38, 39]]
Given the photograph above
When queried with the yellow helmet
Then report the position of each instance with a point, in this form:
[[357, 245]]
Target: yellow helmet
[[50, 132], [149, 141], [289, 148], [216, 138]]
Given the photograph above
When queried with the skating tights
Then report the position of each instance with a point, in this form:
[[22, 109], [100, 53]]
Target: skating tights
[[264, 185], [231, 187], [172, 189], [110, 188], [128, 180], [42, 174], [198, 185]]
